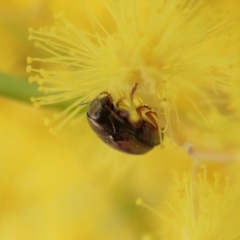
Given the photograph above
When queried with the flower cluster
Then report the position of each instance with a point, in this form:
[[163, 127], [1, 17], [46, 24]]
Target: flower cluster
[[201, 206], [180, 54], [184, 57]]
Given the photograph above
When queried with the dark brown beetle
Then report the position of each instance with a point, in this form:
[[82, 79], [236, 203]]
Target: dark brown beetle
[[113, 125]]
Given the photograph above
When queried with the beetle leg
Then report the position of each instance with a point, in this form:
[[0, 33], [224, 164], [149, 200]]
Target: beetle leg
[[151, 118], [120, 101], [122, 107], [131, 96], [139, 121], [139, 113], [148, 114], [134, 89]]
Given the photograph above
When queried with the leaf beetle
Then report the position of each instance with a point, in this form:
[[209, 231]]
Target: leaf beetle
[[114, 127]]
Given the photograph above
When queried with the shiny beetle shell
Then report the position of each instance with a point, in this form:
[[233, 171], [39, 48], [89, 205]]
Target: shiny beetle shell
[[113, 126]]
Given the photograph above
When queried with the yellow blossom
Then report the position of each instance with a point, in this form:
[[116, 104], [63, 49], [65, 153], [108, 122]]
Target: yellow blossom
[[201, 206], [14, 20], [73, 186], [182, 56]]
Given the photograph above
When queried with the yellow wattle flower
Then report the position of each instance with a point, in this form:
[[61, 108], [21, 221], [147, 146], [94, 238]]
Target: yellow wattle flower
[[201, 206], [72, 187], [179, 53]]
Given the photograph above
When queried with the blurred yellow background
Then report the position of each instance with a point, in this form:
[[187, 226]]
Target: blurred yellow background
[[70, 186]]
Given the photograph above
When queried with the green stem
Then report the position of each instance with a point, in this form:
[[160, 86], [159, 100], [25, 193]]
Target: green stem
[[20, 89], [17, 88]]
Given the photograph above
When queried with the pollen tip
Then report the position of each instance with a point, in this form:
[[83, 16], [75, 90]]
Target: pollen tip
[[39, 80], [46, 121], [203, 166], [30, 30], [217, 175], [52, 29], [30, 37], [36, 44], [227, 179], [58, 15], [29, 69], [146, 237], [166, 202], [31, 79], [52, 131], [55, 116], [29, 60], [42, 72], [230, 106], [48, 42], [41, 30], [36, 104], [40, 89], [139, 201]]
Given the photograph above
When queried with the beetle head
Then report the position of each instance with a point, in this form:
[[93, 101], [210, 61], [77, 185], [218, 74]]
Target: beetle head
[[100, 108]]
